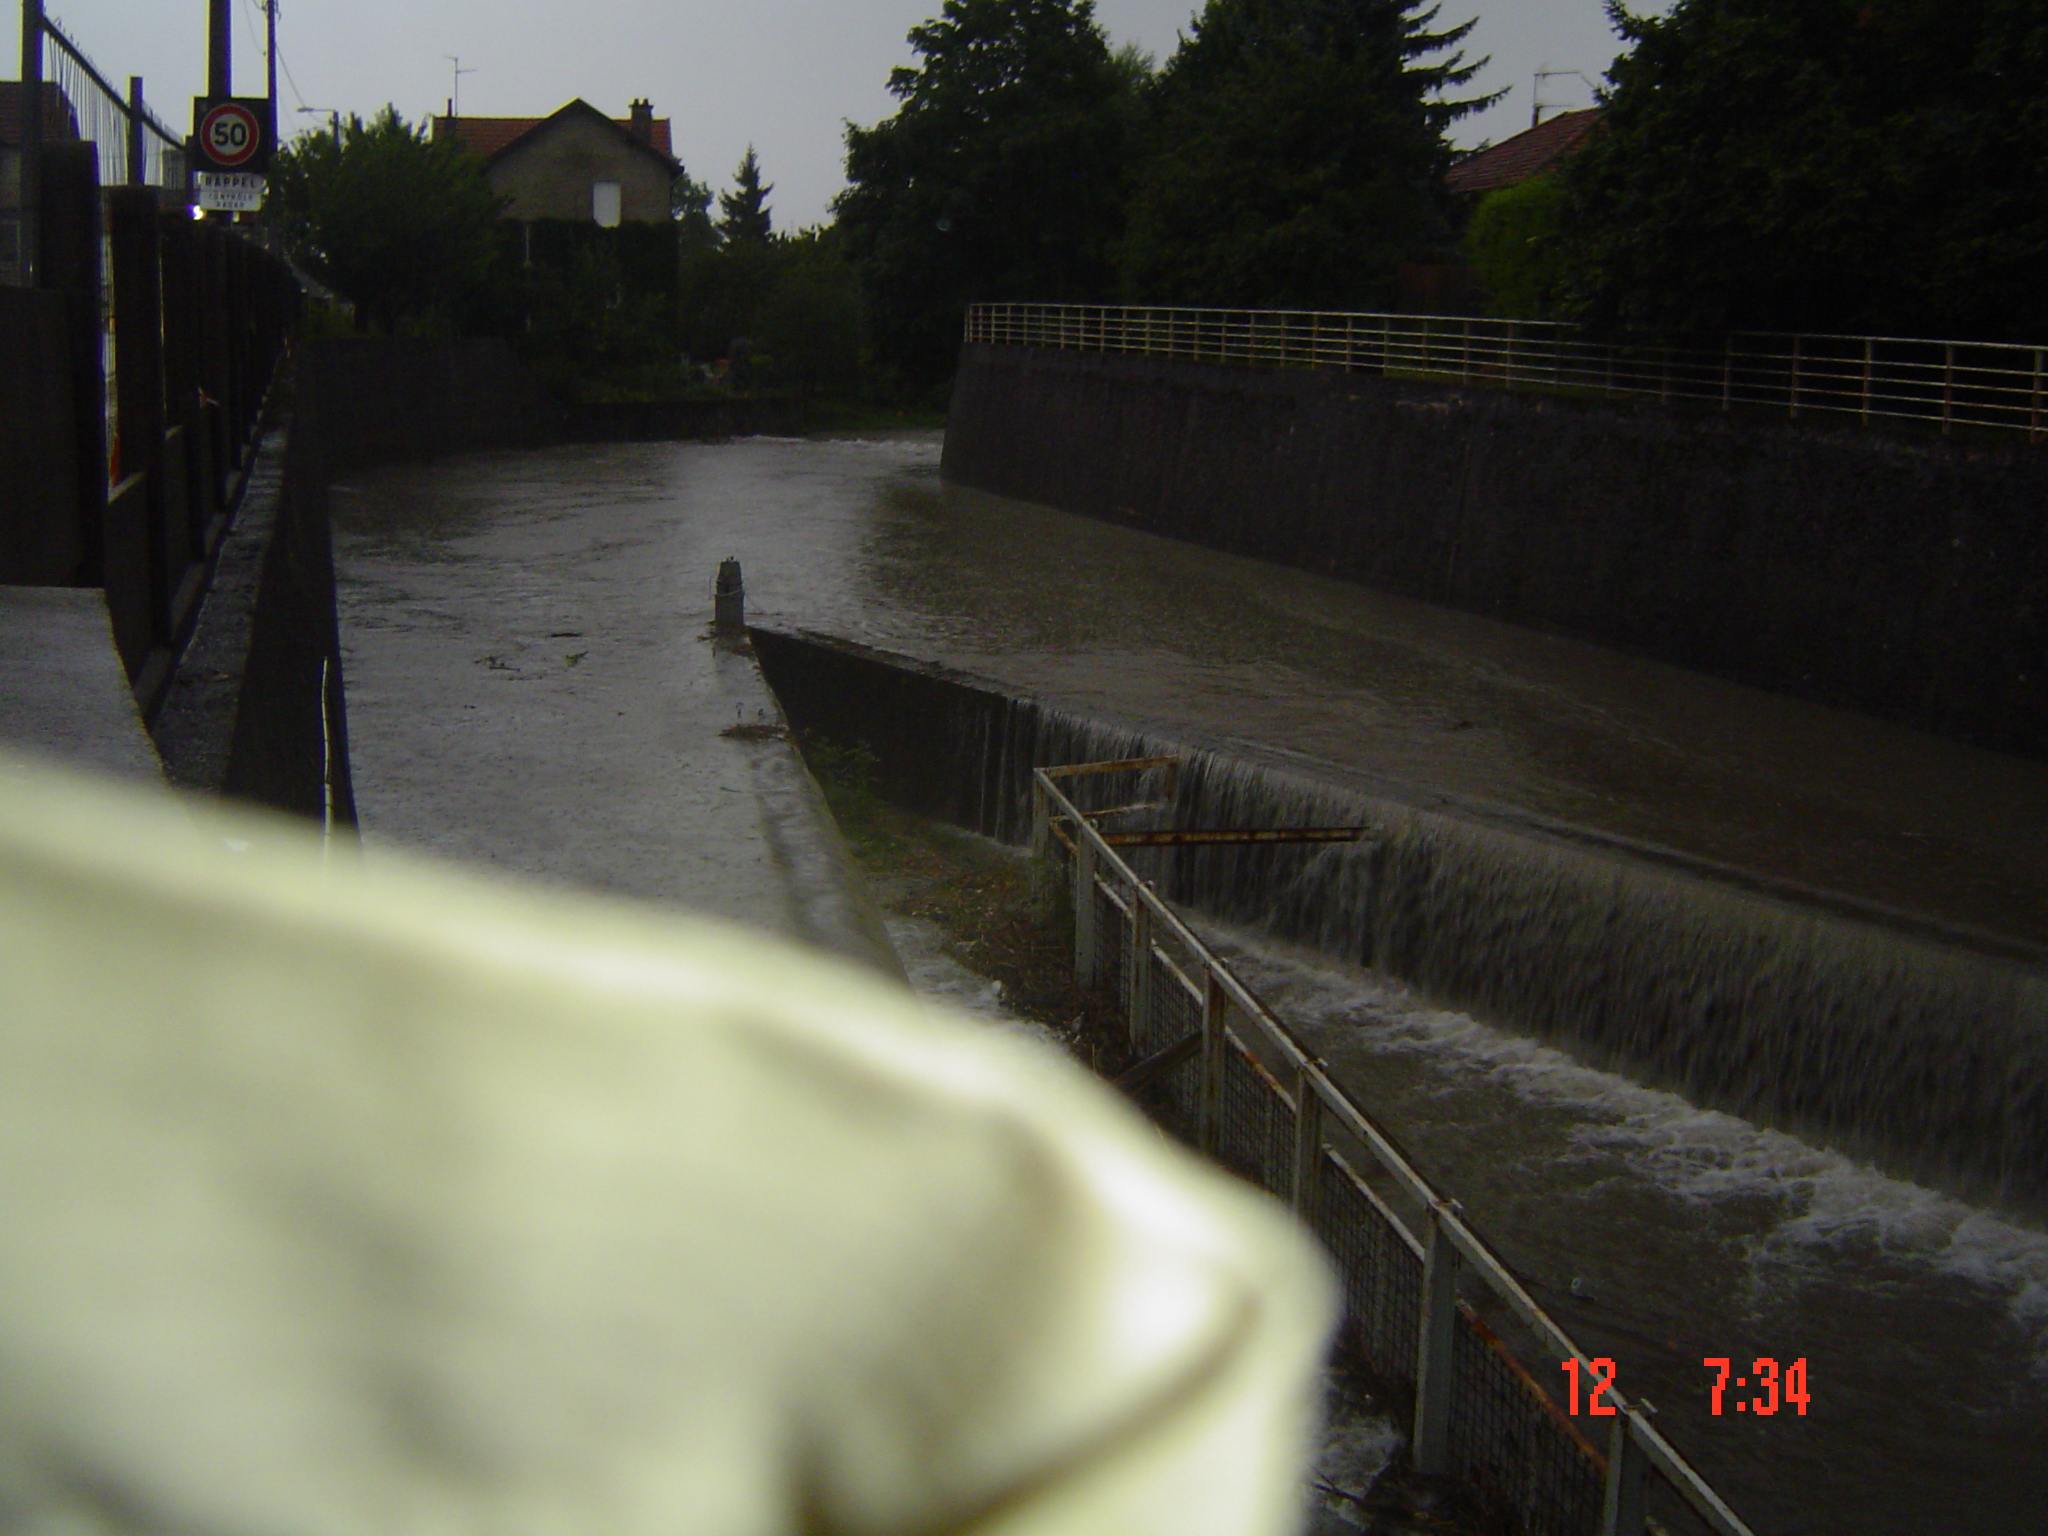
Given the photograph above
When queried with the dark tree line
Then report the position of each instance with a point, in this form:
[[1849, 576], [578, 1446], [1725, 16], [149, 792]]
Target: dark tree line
[[1290, 152], [1818, 165], [1846, 165]]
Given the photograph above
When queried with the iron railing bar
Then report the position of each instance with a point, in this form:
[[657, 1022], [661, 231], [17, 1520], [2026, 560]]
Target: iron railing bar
[[1222, 986], [149, 118]]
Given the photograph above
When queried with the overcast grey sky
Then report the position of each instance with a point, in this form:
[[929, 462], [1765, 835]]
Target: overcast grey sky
[[783, 75]]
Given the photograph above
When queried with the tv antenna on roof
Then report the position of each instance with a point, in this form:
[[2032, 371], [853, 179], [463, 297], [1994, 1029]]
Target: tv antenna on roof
[[1537, 104], [455, 85]]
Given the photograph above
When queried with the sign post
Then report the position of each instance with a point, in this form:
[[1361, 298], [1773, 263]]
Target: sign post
[[232, 137]]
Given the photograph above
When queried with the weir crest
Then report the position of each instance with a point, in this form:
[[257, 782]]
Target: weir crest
[[1919, 1051]]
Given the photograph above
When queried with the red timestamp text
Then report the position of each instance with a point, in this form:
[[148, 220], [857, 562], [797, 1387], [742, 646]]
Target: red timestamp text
[[1778, 1388]]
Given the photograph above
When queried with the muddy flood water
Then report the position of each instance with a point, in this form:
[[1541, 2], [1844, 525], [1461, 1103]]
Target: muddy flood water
[[1660, 1232]]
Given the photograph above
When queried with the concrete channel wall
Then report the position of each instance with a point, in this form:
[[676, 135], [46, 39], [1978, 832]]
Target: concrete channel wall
[[1915, 1048], [1904, 577], [389, 401]]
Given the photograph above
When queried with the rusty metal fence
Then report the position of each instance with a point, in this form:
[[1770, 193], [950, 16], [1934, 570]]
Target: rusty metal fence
[[2003, 387], [1426, 1302]]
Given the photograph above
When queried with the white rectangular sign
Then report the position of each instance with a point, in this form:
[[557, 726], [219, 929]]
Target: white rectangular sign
[[230, 191]]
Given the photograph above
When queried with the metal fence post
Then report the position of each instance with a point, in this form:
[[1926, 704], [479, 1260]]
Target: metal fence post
[[1622, 1509], [1796, 342], [1948, 385], [1308, 1145], [1084, 908], [1138, 970], [1214, 1004], [2034, 420], [1869, 358], [28, 260], [1041, 848], [1433, 1364]]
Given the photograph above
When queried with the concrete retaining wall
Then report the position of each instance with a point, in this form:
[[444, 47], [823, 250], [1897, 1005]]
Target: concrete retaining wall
[[391, 401], [40, 537], [1905, 578]]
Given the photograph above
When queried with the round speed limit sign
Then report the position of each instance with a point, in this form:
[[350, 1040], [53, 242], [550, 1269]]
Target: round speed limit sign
[[230, 135]]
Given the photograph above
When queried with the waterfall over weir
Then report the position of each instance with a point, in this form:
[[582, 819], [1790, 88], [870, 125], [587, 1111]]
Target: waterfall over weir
[[1925, 1052]]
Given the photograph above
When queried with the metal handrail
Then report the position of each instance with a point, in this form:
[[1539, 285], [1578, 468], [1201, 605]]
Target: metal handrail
[[1995, 385], [1635, 1443], [145, 118]]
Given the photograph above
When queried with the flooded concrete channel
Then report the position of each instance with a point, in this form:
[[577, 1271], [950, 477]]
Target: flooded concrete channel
[[520, 637]]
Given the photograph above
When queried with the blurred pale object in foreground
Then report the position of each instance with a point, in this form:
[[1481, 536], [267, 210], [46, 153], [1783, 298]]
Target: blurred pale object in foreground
[[348, 1199]]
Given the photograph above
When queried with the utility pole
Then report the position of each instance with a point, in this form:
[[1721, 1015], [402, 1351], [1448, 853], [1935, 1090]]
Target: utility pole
[[29, 226], [270, 52], [220, 63], [135, 140]]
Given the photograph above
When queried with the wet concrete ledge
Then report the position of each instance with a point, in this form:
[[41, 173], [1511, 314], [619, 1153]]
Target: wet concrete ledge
[[1904, 578], [1921, 1048], [63, 693]]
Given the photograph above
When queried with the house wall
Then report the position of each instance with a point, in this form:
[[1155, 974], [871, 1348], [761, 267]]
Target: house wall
[[550, 175]]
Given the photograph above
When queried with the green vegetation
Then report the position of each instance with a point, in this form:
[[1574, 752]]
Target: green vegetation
[[405, 229], [1295, 154], [1818, 165], [1513, 246], [999, 177]]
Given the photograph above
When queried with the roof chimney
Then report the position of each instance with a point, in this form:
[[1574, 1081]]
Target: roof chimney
[[643, 120]]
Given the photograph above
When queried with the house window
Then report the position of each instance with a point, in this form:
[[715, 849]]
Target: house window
[[604, 203]]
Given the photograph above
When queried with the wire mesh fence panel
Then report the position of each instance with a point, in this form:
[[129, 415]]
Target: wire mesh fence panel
[[1254, 1122], [1381, 1274], [1512, 1449], [1112, 942], [1174, 1012]]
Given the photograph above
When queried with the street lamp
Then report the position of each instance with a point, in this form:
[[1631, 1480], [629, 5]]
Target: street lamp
[[333, 120]]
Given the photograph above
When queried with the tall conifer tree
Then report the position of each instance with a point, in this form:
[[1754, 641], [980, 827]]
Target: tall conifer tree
[[1297, 154]]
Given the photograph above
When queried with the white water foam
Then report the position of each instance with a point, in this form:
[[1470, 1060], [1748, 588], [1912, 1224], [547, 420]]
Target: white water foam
[[1828, 1201]]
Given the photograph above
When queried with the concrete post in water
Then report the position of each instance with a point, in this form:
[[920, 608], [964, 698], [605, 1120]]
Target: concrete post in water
[[729, 599], [1433, 1363]]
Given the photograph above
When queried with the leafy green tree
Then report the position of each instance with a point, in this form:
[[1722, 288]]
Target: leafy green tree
[[406, 229], [743, 212], [1819, 165], [999, 176], [1512, 245], [1296, 154], [689, 204]]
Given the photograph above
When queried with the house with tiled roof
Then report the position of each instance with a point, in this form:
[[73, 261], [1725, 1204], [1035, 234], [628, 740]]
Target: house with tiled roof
[[575, 164], [1524, 157]]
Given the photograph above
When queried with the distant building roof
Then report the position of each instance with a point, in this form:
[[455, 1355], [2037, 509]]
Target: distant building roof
[[59, 121], [1524, 157], [490, 137]]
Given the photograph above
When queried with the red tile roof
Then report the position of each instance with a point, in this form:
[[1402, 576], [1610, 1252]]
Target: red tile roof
[[1524, 157], [488, 136], [59, 121]]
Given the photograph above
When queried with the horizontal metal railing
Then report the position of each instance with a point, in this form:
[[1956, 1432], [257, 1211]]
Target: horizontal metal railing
[[1867, 378], [1262, 1103]]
